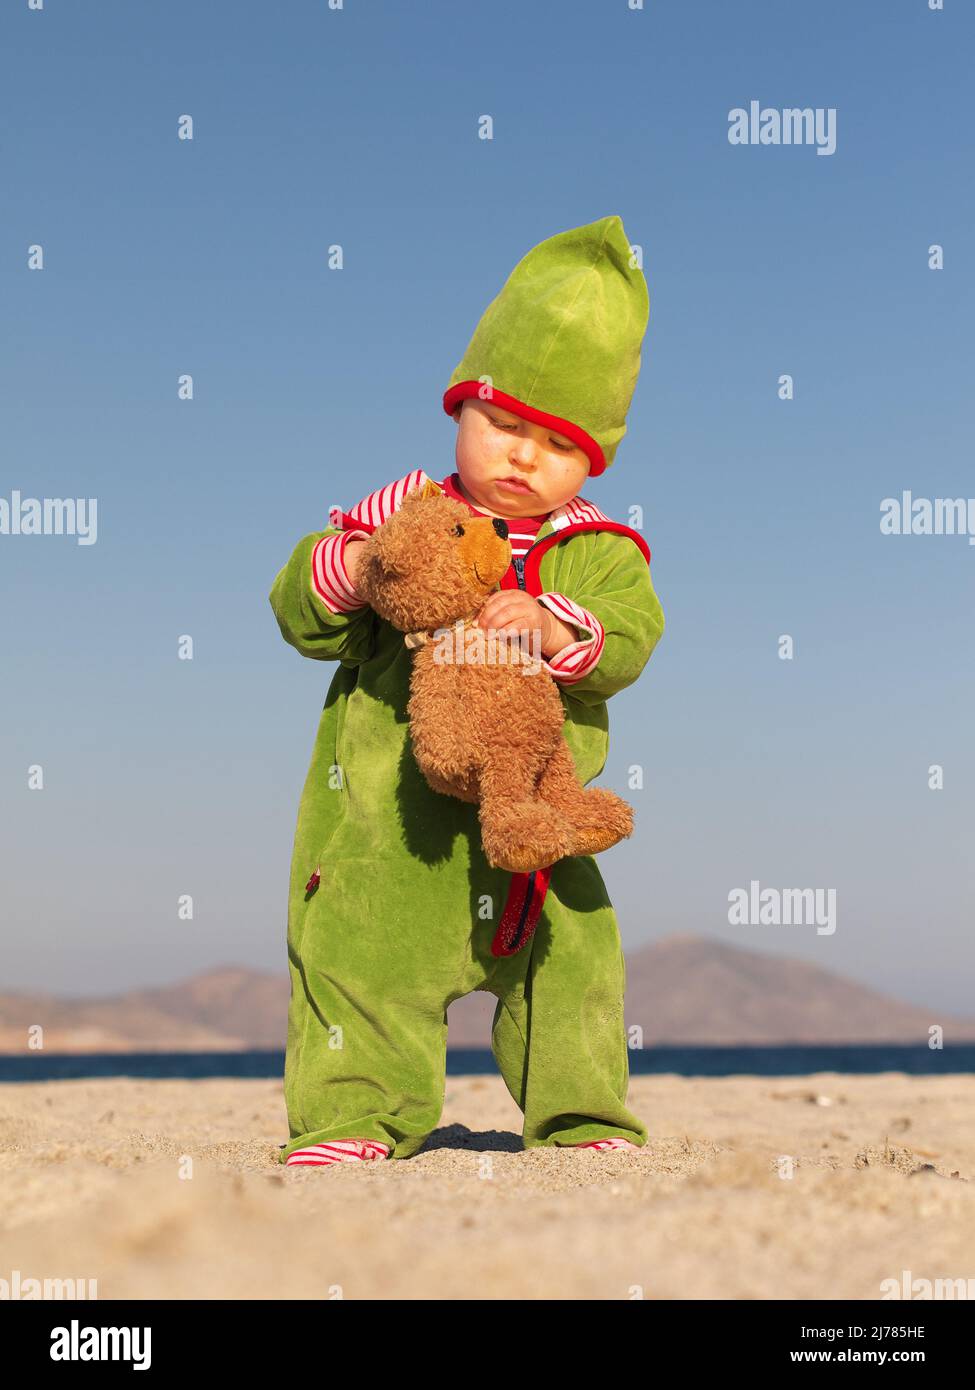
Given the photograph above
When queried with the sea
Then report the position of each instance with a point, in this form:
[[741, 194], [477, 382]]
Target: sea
[[792, 1060]]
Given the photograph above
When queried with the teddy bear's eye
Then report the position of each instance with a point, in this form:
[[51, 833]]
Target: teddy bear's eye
[[458, 530]]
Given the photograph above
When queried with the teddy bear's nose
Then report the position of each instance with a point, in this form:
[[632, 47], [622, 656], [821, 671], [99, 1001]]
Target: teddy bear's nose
[[501, 526]]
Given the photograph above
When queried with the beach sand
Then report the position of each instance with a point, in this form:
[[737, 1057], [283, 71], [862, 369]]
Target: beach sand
[[172, 1189]]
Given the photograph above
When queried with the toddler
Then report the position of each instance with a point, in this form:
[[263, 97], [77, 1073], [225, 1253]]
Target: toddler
[[394, 911]]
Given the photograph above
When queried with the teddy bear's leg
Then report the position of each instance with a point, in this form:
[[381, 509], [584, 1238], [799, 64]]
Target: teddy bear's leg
[[599, 818], [558, 1034], [519, 832]]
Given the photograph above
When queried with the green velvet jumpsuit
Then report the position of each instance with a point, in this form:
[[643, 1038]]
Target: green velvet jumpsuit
[[402, 919]]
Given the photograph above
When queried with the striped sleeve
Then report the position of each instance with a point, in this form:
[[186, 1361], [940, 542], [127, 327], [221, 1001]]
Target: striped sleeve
[[330, 579], [373, 510], [575, 661]]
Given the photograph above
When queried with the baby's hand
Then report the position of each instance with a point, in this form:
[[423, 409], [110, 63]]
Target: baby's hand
[[352, 557], [513, 611]]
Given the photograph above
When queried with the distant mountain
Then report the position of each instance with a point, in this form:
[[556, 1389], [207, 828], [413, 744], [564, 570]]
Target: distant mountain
[[228, 1009], [687, 989], [681, 990]]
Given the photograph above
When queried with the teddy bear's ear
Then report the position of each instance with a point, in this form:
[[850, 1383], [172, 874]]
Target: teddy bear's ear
[[418, 494]]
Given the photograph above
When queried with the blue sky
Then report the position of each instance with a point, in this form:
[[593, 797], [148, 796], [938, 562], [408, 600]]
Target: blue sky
[[312, 387]]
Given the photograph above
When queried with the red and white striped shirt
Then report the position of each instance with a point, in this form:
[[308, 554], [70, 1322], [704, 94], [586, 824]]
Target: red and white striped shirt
[[333, 587]]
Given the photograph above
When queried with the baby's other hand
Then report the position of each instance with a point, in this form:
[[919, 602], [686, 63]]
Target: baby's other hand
[[513, 611]]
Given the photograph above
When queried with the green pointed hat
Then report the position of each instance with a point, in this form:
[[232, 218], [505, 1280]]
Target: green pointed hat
[[560, 344]]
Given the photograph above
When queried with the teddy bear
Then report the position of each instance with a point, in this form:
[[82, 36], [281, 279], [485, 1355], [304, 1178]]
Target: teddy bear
[[485, 717]]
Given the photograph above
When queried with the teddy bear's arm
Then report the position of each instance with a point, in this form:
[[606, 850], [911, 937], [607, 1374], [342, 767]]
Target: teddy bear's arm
[[616, 592], [317, 609]]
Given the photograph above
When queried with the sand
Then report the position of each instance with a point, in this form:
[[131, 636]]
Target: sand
[[172, 1189]]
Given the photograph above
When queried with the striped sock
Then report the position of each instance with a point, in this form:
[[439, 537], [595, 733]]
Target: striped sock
[[616, 1141], [339, 1151]]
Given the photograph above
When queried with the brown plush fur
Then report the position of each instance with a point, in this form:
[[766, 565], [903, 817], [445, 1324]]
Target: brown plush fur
[[485, 720]]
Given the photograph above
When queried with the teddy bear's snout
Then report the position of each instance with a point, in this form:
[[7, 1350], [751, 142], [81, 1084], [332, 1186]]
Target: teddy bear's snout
[[485, 550]]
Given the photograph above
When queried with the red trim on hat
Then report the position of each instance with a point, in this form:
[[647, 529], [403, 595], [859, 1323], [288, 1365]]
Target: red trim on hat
[[464, 390]]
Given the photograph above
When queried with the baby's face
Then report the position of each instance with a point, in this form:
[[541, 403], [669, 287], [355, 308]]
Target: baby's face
[[493, 444]]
